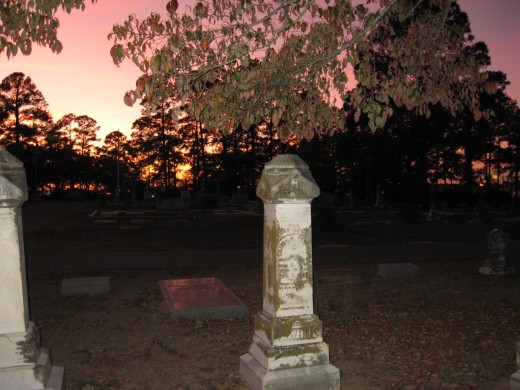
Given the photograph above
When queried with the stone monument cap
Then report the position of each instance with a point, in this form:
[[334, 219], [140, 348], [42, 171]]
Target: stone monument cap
[[286, 177], [287, 161], [13, 187]]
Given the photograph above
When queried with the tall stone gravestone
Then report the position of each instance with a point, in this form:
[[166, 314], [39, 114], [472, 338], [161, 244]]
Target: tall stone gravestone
[[23, 363], [287, 350]]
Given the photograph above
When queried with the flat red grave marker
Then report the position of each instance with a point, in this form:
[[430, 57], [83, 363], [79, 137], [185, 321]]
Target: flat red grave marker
[[201, 298]]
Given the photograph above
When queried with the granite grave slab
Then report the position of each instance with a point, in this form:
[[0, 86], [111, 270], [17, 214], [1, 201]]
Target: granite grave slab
[[201, 298]]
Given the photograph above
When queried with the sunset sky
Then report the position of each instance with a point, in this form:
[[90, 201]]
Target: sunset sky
[[83, 80]]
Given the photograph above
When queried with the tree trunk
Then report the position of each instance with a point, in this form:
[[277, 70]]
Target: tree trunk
[[270, 146], [225, 165], [497, 161], [421, 180], [516, 185], [202, 140], [468, 169], [196, 157], [17, 131], [252, 168], [164, 154]]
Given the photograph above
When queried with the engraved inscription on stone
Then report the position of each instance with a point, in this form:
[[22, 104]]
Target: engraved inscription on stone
[[293, 269]]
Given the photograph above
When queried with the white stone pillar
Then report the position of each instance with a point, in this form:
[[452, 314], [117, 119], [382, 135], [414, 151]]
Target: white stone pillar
[[23, 364], [287, 350]]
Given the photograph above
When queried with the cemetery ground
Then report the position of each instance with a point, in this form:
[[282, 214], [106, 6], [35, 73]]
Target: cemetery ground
[[452, 328]]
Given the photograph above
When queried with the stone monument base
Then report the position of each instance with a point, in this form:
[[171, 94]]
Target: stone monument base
[[25, 377], [25, 365], [514, 382], [320, 377]]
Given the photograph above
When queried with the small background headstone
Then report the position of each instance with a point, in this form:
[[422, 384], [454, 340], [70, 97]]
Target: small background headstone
[[398, 271], [496, 262], [186, 196], [85, 286], [180, 204], [433, 214], [240, 200], [165, 204]]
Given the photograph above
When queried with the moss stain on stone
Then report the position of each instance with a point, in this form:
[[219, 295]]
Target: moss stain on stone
[[298, 350], [288, 325], [270, 280], [27, 349], [277, 328], [276, 235]]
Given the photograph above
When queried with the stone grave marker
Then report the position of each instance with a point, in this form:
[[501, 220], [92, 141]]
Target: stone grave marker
[[135, 213], [180, 204], [186, 196], [129, 227], [111, 213], [165, 204], [496, 262], [287, 350], [105, 221], [240, 200], [201, 298], [433, 214], [85, 286], [142, 221], [24, 364], [514, 382], [398, 271]]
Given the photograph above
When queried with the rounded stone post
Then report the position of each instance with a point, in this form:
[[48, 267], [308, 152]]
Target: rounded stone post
[[287, 350], [23, 363]]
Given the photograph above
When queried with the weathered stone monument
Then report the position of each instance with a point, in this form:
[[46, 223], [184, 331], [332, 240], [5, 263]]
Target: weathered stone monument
[[287, 350], [496, 262], [23, 363]]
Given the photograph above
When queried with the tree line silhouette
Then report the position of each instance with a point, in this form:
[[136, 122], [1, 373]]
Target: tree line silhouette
[[415, 158]]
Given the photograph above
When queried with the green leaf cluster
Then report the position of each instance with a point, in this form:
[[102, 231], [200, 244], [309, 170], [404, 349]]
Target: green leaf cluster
[[235, 62], [23, 23]]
